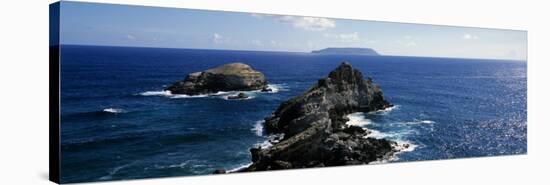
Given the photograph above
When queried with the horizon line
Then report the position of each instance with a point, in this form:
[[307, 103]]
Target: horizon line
[[300, 52]]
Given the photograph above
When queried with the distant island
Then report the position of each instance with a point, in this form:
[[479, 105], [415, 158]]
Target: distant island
[[352, 51]]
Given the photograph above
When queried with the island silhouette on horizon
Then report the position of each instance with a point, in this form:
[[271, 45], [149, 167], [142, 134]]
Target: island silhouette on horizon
[[347, 50]]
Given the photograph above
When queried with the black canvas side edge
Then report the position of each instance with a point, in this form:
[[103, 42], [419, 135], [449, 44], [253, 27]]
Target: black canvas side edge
[[54, 124]]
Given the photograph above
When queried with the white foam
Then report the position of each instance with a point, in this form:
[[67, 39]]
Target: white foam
[[401, 146], [390, 135], [115, 171], [259, 128], [275, 88], [264, 144], [180, 165], [239, 168], [156, 93], [420, 122], [427, 121], [271, 139], [386, 110], [188, 96], [170, 95], [219, 93], [114, 110], [405, 146], [226, 97], [358, 119], [377, 134]]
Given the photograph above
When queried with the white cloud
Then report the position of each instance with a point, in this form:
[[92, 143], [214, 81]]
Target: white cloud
[[275, 43], [352, 37], [130, 37], [217, 38], [306, 23], [468, 36], [257, 42], [309, 23], [408, 41], [349, 37]]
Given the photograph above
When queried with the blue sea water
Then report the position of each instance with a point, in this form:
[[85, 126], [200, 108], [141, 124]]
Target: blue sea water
[[117, 123]]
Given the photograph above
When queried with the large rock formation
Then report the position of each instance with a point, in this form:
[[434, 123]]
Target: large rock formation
[[315, 129], [229, 77]]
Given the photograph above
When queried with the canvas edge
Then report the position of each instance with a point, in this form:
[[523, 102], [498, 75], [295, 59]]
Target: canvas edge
[[54, 88]]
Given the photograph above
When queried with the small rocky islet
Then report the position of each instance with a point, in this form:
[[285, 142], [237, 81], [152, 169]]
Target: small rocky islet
[[313, 124], [229, 77]]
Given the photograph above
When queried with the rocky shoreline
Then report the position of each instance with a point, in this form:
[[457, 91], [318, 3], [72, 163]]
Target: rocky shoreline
[[315, 130]]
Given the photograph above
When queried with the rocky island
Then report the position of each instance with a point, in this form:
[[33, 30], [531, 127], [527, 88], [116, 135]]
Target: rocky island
[[315, 130], [228, 77], [347, 51]]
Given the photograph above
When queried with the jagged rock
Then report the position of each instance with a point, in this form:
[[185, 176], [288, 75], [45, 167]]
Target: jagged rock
[[266, 89], [315, 129], [229, 77]]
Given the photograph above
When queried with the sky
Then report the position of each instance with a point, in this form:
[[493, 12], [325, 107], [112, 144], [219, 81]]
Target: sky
[[140, 26]]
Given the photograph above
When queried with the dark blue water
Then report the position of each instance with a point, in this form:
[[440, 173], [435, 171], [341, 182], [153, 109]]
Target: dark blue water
[[118, 124]]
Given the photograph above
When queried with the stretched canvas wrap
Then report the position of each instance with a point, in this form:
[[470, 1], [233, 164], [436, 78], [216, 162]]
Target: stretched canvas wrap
[[145, 92]]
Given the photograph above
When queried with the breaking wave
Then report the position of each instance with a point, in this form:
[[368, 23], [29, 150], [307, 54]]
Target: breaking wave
[[398, 135], [170, 95], [358, 119], [258, 128], [114, 110], [239, 168], [385, 111], [275, 88]]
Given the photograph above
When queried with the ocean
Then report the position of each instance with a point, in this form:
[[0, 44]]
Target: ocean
[[118, 123]]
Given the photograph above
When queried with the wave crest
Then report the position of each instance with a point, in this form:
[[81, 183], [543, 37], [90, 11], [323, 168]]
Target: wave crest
[[275, 88], [420, 122], [156, 93], [114, 110], [170, 95], [403, 130], [358, 119], [386, 110]]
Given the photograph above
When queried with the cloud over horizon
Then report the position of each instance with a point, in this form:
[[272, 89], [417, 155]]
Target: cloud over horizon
[[217, 38], [306, 23], [468, 36], [344, 37]]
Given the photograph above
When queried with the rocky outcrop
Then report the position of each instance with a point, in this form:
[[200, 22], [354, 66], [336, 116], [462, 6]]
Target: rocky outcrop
[[315, 129], [229, 77]]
